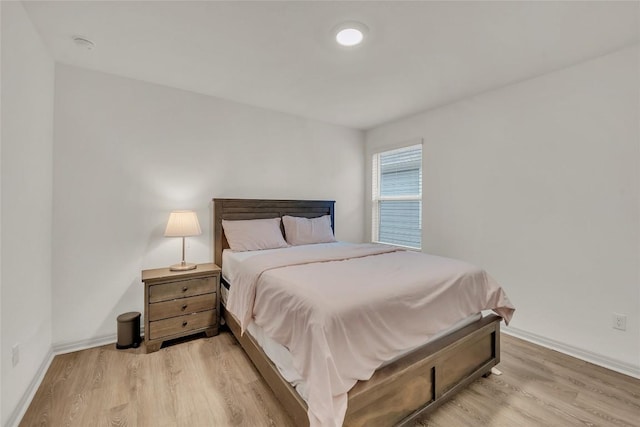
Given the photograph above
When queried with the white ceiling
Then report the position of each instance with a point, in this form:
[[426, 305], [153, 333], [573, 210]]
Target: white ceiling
[[281, 55]]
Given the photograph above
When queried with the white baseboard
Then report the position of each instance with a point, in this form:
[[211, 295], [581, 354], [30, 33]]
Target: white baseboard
[[588, 356], [71, 346], [27, 397]]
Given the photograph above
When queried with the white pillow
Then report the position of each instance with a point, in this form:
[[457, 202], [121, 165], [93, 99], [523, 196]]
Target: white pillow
[[304, 231], [254, 234]]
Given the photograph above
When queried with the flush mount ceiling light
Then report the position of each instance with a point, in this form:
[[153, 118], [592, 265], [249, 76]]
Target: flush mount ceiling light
[[350, 33], [349, 37], [83, 42]]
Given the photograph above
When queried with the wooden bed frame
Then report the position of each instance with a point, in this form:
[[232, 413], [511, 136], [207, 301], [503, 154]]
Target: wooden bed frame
[[396, 394]]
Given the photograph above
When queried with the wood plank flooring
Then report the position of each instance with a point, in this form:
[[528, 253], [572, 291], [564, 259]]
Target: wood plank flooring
[[211, 382]]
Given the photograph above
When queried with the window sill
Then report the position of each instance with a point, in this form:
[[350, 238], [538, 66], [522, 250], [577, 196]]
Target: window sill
[[409, 248]]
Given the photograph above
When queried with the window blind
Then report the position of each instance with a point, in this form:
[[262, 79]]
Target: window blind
[[397, 197]]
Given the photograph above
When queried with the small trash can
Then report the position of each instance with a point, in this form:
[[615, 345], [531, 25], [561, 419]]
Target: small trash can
[[128, 330]]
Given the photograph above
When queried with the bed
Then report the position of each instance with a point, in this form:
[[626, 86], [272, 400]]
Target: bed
[[397, 393]]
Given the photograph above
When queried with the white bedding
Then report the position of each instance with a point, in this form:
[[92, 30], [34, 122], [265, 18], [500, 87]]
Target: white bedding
[[282, 358], [342, 311], [231, 260]]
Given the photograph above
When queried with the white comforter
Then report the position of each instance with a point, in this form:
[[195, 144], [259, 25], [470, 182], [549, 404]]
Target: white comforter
[[343, 311]]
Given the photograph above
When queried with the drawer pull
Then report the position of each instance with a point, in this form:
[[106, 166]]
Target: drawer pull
[[185, 289], [184, 307], [184, 323]]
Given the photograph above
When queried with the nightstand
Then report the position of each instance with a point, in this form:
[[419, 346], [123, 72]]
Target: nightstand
[[180, 303]]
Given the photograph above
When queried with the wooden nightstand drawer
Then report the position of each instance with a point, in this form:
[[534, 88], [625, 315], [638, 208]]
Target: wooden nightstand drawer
[[181, 324], [182, 306], [182, 288]]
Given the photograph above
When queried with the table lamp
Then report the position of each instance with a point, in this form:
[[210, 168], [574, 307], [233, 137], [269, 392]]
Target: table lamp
[[182, 224]]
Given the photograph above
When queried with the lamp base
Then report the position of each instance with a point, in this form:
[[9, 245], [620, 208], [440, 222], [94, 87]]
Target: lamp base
[[182, 267]]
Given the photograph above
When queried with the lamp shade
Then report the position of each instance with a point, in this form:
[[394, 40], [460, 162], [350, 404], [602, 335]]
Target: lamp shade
[[182, 224]]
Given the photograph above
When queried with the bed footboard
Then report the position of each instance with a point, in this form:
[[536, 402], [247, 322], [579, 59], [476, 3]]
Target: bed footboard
[[406, 389], [420, 382]]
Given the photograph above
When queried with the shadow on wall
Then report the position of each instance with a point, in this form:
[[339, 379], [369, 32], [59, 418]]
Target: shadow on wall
[[132, 296], [132, 299], [159, 252]]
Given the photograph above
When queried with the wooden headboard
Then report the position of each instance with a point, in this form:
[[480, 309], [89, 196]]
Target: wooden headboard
[[236, 209]]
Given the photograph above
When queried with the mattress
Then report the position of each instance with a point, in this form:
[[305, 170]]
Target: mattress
[[279, 354]]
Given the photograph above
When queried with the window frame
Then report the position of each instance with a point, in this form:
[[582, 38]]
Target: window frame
[[376, 189]]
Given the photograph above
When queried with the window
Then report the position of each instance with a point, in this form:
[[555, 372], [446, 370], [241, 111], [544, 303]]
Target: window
[[397, 197]]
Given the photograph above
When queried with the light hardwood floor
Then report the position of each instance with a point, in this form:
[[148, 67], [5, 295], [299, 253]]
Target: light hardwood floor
[[211, 382]]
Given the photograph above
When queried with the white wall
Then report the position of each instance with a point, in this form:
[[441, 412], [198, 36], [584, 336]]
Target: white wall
[[26, 191], [1, 346], [538, 182], [127, 153]]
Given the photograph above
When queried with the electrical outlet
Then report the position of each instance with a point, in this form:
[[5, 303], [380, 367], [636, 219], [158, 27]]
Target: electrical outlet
[[619, 321], [15, 355]]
